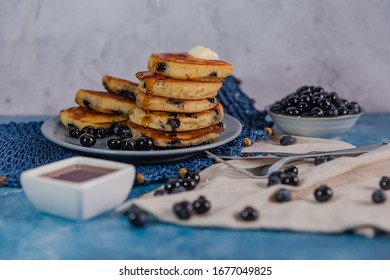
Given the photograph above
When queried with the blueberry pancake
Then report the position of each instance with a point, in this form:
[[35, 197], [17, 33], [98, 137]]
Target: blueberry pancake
[[157, 103], [81, 116], [105, 102], [160, 85], [177, 122], [183, 66], [178, 139], [119, 86]]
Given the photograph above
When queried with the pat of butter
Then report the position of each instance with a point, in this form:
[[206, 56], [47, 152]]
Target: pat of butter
[[203, 53]]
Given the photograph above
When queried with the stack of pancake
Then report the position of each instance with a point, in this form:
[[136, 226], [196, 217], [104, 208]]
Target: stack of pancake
[[176, 104], [102, 109]]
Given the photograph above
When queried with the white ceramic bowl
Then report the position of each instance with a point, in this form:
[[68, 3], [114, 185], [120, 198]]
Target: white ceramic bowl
[[78, 188], [319, 127]]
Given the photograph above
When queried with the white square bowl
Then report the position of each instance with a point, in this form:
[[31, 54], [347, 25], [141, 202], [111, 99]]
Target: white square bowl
[[82, 200]]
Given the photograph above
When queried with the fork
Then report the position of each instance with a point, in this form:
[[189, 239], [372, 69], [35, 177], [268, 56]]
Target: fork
[[265, 170]]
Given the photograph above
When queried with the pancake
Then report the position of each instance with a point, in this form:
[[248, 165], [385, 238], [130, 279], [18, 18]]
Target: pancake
[[119, 86], [105, 102], [81, 117], [186, 67], [177, 122], [178, 139], [157, 103], [160, 85]]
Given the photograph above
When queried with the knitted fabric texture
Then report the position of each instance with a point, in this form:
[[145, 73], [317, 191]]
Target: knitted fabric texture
[[23, 146]]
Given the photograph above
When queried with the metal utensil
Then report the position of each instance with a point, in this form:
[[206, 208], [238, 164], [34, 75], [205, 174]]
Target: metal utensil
[[264, 170]]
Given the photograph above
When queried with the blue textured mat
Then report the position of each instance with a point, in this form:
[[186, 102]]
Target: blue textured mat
[[22, 146]]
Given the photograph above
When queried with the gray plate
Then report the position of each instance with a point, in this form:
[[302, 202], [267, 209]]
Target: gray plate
[[55, 132]]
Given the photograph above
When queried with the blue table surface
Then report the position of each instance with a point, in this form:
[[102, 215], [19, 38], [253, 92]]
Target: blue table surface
[[25, 233]]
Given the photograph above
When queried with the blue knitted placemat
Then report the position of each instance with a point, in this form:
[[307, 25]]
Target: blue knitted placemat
[[22, 146]]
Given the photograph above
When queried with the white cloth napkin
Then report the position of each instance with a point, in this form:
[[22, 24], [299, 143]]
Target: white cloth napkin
[[352, 179]]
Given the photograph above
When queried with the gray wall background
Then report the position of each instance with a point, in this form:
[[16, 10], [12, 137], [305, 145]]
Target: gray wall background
[[50, 49]]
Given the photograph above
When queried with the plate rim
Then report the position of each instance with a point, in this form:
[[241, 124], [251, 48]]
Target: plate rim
[[139, 154]]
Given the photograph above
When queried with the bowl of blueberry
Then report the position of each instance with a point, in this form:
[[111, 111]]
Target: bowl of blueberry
[[313, 112]]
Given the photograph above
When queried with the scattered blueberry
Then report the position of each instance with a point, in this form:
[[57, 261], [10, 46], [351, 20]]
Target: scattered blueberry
[[172, 184], [321, 159], [117, 129], [160, 192], [74, 132], [126, 133], [201, 205], [144, 144], [89, 129], [183, 210], [323, 193], [283, 195], [289, 179], [378, 196], [384, 183], [136, 216], [291, 169], [114, 144], [87, 140], [286, 140], [127, 144], [249, 214], [275, 178], [188, 184], [192, 175], [100, 132]]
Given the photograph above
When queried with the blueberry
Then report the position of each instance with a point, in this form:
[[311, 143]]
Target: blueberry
[[302, 89], [192, 175], [160, 192], [161, 66], [321, 159], [283, 195], [291, 101], [74, 132], [304, 99], [332, 111], [136, 216], [317, 112], [324, 103], [303, 107], [384, 183], [88, 129], [354, 107], [291, 169], [290, 179], [275, 178], [87, 140], [276, 108], [378, 196], [286, 140], [189, 184], [292, 111], [171, 184], [125, 133], [117, 129], [318, 90], [323, 193], [127, 144], [342, 111], [183, 210], [201, 205], [114, 144], [100, 132], [334, 98], [249, 214], [144, 144]]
